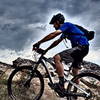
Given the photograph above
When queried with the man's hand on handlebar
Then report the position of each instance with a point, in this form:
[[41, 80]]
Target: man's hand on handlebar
[[36, 46], [38, 50]]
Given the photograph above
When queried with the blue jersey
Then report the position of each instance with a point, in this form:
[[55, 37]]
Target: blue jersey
[[74, 34]]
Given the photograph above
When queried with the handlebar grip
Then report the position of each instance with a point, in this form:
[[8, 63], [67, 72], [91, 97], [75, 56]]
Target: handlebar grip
[[39, 50]]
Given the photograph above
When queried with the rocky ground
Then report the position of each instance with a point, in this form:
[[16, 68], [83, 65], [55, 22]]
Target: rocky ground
[[6, 69]]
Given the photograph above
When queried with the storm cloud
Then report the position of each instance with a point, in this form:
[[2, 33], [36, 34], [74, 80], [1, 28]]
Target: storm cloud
[[17, 15]]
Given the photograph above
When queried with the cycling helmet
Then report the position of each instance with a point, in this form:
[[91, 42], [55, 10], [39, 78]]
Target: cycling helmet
[[59, 17]]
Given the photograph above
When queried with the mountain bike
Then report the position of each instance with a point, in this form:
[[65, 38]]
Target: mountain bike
[[27, 82]]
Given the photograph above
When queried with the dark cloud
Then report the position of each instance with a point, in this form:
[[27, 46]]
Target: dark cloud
[[16, 14], [13, 36]]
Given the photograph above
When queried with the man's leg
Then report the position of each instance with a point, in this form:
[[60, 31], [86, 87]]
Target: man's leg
[[59, 68], [58, 58], [76, 67], [59, 65], [78, 56], [75, 71]]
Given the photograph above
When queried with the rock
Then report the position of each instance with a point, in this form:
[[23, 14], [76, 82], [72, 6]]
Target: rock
[[91, 67], [48, 93], [22, 62]]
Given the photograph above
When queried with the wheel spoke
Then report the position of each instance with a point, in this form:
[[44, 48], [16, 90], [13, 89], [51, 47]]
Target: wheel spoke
[[90, 83], [24, 84]]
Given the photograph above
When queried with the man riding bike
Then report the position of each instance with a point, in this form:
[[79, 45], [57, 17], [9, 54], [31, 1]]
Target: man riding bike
[[79, 42]]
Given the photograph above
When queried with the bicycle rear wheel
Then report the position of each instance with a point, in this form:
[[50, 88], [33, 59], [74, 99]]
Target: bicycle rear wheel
[[89, 82], [25, 84]]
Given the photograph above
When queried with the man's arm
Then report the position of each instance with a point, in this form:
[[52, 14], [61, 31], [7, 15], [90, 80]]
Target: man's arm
[[50, 36], [55, 43], [47, 38]]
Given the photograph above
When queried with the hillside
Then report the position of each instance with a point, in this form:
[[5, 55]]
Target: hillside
[[6, 69]]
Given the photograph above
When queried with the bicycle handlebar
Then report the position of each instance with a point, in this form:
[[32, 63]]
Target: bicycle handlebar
[[39, 50]]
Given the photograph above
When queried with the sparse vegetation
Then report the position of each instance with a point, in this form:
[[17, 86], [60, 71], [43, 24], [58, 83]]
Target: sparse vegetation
[[3, 89], [48, 93]]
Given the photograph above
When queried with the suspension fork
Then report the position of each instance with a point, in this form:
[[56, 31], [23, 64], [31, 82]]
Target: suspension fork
[[31, 74]]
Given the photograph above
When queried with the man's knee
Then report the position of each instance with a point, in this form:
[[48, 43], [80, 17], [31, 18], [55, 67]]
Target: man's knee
[[57, 58]]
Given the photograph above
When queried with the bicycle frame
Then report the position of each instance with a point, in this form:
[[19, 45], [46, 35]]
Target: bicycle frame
[[43, 59]]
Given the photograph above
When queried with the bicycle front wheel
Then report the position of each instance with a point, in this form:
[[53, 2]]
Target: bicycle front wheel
[[25, 84], [88, 82]]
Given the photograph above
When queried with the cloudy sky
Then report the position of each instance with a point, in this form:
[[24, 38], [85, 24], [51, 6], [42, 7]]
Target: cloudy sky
[[24, 22]]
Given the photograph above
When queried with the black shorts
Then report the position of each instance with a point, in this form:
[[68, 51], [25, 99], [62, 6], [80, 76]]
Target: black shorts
[[74, 55]]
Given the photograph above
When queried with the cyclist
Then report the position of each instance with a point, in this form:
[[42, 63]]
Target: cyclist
[[79, 42]]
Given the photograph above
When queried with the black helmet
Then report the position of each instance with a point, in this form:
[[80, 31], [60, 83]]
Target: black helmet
[[59, 17]]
